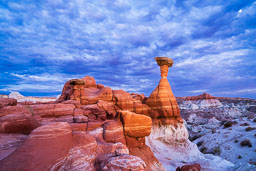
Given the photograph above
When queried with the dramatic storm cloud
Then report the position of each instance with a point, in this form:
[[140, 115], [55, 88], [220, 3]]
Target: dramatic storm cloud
[[45, 43]]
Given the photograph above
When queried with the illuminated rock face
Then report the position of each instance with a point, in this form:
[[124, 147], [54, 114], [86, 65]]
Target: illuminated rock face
[[162, 101]]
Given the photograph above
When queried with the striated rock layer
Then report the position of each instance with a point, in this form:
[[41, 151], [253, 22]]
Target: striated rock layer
[[162, 101]]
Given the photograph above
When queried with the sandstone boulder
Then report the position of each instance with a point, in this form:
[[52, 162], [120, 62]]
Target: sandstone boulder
[[193, 167], [136, 125], [125, 163], [113, 132], [18, 123]]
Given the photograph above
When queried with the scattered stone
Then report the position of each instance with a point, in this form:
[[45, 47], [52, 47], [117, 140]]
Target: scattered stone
[[246, 143], [245, 124], [250, 128], [192, 167]]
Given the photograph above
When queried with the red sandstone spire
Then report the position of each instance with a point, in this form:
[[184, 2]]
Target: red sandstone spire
[[162, 100]]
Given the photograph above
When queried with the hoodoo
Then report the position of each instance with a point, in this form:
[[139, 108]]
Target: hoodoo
[[165, 109]]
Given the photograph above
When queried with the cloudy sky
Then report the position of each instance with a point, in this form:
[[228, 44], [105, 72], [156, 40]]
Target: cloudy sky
[[45, 43]]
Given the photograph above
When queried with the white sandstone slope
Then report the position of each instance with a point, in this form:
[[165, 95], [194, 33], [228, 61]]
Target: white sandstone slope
[[173, 148]]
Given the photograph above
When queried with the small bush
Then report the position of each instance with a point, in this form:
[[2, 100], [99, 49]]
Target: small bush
[[250, 128], [255, 135], [239, 157], [236, 141], [246, 143], [228, 124], [203, 150], [244, 124], [194, 137], [200, 143], [254, 120], [216, 151], [252, 162], [213, 130]]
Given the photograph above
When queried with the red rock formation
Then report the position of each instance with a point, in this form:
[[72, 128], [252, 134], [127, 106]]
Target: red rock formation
[[123, 100], [145, 153], [94, 112], [78, 126], [192, 167], [19, 109], [136, 125], [109, 107], [162, 100], [85, 91], [7, 102], [43, 148], [203, 96], [9, 143], [81, 155], [113, 132], [52, 110], [105, 151], [89, 82], [18, 123]]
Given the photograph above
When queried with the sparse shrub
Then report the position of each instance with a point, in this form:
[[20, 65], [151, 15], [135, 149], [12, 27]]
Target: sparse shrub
[[223, 122], [203, 150], [250, 128], [236, 141], [246, 143], [244, 124], [200, 143], [252, 162], [239, 157], [228, 124], [216, 151], [193, 138], [254, 120], [214, 130], [255, 135]]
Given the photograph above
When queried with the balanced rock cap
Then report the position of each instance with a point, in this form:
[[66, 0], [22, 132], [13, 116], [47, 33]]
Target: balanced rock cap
[[164, 61]]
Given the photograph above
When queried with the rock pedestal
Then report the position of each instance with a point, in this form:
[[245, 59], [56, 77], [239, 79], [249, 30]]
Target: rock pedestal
[[162, 101]]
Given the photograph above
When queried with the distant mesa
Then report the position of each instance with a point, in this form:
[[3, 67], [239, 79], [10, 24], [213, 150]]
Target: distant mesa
[[203, 96]]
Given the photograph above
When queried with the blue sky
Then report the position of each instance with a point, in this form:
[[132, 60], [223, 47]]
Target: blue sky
[[45, 43]]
